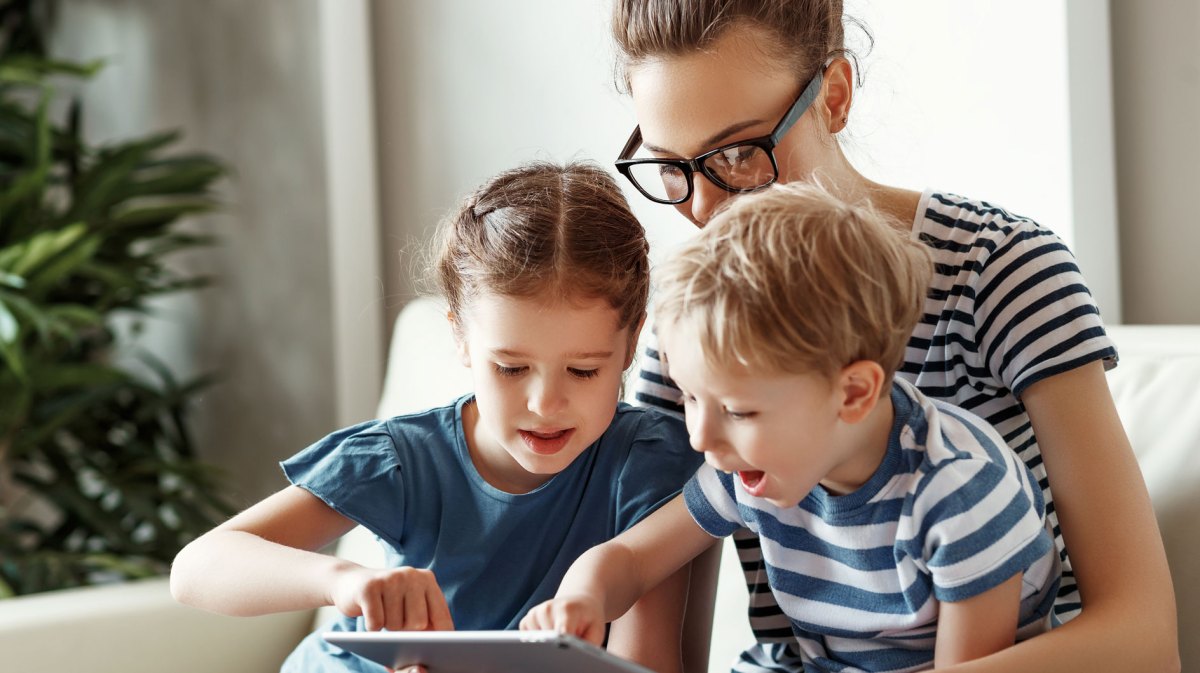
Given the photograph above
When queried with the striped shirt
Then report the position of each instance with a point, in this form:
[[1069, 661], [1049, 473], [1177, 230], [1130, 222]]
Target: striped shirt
[[1007, 307], [949, 513]]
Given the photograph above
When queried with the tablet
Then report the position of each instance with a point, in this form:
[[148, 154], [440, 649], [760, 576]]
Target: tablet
[[482, 651]]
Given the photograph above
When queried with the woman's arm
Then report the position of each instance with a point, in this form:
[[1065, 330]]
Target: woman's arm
[[1128, 620], [265, 560], [978, 626]]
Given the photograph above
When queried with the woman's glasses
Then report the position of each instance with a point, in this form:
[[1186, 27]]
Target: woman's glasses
[[744, 166]]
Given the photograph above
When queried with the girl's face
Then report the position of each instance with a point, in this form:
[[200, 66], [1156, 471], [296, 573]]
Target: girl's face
[[689, 104], [547, 379]]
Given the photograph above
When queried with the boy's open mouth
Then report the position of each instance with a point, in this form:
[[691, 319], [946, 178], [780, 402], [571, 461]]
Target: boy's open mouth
[[752, 480]]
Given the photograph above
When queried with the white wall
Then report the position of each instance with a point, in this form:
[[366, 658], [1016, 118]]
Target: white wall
[[1156, 63], [966, 97], [242, 81]]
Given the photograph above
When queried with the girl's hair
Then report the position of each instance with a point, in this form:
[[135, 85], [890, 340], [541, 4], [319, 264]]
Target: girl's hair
[[791, 280], [544, 228], [804, 34]]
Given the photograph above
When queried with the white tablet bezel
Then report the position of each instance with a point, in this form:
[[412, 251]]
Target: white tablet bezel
[[482, 651]]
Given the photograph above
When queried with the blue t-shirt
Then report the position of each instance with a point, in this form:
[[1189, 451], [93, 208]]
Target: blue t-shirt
[[410, 480]]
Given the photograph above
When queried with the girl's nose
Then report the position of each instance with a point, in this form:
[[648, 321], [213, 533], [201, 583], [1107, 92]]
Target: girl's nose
[[547, 399]]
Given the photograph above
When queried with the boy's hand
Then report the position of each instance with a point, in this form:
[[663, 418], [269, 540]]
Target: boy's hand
[[579, 615], [400, 599]]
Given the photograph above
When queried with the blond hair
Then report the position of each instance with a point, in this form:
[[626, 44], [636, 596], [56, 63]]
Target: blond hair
[[564, 231], [792, 280]]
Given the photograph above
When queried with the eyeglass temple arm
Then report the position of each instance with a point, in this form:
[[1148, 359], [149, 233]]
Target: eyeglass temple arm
[[803, 101], [631, 145]]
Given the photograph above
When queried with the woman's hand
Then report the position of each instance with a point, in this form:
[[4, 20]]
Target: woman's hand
[[578, 615], [399, 599]]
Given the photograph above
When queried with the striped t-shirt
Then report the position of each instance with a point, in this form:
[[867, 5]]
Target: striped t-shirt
[[1007, 307], [949, 513]]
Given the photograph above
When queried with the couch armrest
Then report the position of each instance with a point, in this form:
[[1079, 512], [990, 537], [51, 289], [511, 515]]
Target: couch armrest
[[137, 626]]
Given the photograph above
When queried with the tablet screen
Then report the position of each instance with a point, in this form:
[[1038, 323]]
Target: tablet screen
[[482, 651]]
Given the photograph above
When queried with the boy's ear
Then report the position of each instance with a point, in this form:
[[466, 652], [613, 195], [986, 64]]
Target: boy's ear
[[634, 333], [860, 384], [460, 340]]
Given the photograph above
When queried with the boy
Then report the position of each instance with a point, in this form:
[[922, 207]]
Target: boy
[[899, 533]]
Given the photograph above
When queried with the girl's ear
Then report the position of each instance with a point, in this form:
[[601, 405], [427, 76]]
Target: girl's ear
[[634, 333], [859, 384], [460, 339], [839, 92]]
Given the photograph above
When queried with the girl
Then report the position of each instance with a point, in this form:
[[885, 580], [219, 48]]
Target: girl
[[481, 505], [731, 96]]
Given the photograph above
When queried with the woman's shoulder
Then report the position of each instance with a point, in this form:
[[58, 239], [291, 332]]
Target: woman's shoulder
[[949, 217]]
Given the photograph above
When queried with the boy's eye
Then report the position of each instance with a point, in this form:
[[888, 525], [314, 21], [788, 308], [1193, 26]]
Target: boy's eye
[[582, 373], [739, 415], [509, 371]]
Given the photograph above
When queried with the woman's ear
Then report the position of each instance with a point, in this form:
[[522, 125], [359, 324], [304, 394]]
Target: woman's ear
[[860, 384], [838, 87], [460, 339]]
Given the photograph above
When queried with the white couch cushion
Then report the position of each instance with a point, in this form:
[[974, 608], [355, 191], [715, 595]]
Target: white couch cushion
[[1156, 387]]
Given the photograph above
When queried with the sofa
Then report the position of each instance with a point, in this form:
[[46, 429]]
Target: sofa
[[136, 627]]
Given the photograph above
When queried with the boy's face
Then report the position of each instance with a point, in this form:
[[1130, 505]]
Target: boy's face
[[547, 378], [781, 434]]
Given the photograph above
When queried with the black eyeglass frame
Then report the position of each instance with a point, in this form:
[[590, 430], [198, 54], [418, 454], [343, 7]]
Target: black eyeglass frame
[[696, 165]]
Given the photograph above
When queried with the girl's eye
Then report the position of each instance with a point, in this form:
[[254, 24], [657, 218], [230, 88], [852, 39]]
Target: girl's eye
[[509, 371], [739, 415], [582, 373]]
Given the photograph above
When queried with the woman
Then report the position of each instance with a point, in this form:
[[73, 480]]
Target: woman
[[731, 96]]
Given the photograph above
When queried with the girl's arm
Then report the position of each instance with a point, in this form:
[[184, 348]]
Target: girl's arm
[[265, 560], [978, 626], [605, 582], [1128, 620]]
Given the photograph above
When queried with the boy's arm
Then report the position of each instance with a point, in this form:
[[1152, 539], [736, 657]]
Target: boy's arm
[[608, 579], [978, 626]]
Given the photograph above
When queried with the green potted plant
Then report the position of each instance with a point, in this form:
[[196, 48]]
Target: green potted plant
[[98, 474]]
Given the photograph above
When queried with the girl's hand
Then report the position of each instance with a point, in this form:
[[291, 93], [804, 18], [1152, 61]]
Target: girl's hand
[[579, 615], [399, 599]]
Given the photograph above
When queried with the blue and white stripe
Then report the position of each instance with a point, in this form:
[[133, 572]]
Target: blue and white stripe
[[949, 514], [1007, 307]]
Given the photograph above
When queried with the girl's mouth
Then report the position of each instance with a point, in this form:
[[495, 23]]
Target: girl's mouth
[[546, 443]]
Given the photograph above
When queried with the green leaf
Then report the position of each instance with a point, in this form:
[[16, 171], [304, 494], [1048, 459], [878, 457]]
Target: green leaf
[[163, 214], [32, 181], [8, 325]]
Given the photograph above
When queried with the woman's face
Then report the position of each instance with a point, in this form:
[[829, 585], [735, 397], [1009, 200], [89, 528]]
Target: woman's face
[[689, 104]]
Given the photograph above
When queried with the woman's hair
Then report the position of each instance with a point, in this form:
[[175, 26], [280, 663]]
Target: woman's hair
[[792, 280], [565, 231], [804, 34]]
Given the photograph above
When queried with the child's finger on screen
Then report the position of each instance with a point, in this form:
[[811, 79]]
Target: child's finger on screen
[[439, 612]]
